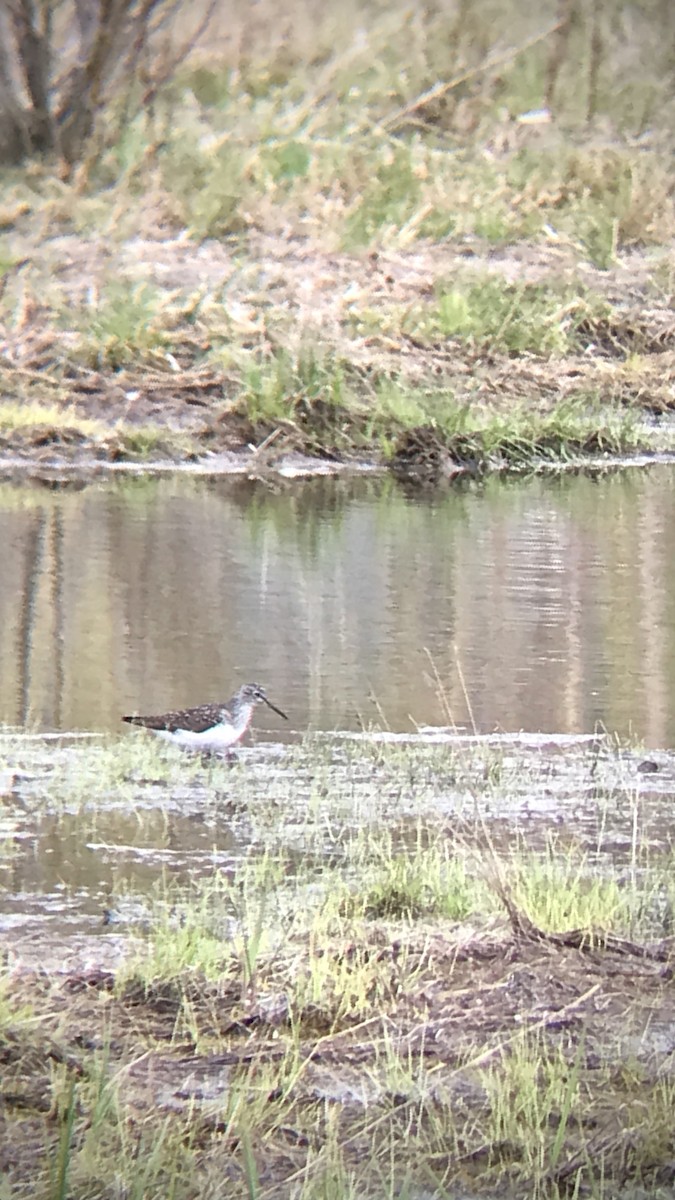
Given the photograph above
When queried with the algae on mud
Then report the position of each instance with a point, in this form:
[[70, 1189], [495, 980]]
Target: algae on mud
[[344, 995]]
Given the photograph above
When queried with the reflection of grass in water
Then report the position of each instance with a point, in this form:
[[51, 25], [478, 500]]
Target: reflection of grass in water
[[350, 982]]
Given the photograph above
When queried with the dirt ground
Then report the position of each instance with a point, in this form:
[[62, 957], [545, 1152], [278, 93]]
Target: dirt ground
[[456, 1001], [289, 293]]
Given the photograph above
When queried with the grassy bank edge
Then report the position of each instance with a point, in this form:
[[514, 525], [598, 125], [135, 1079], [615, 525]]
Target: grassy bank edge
[[414, 434]]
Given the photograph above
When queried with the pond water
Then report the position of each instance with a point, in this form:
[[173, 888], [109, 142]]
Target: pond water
[[540, 604], [507, 605]]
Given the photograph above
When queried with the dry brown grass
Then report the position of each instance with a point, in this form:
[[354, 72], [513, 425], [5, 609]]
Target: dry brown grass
[[284, 243]]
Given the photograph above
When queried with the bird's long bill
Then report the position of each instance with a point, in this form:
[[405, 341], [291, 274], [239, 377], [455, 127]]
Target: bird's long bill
[[274, 708]]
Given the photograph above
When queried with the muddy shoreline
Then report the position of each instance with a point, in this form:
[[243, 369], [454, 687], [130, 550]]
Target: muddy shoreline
[[374, 963], [87, 465], [295, 388]]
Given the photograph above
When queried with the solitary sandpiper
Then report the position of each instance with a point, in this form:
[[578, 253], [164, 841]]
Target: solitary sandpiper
[[210, 728]]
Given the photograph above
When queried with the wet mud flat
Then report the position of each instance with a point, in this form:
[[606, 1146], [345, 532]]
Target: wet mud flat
[[354, 966]]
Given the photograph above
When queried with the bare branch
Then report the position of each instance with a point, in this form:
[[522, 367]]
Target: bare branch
[[179, 57], [62, 60], [34, 54]]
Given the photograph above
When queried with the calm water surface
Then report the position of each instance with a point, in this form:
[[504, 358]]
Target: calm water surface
[[545, 604]]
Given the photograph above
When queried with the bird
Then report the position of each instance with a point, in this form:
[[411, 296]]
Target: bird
[[209, 728]]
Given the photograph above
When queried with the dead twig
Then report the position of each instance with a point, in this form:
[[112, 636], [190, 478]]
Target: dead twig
[[662, 950], [443, 87]]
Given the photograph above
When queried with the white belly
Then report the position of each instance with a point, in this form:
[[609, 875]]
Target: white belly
[[210, 741]]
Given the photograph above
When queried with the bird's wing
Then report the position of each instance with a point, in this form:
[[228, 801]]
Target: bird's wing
[[196, 720]]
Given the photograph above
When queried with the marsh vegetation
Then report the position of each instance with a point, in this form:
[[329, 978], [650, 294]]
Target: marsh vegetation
[[385, 968], [436, 237]]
